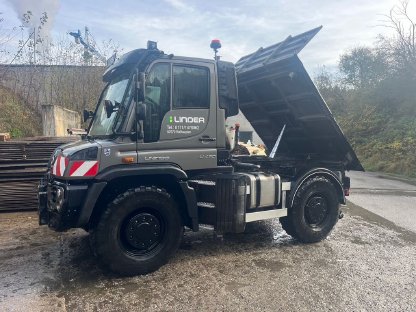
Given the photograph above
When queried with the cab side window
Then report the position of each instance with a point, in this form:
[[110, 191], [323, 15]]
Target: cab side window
[[190, 87], [157, 99]]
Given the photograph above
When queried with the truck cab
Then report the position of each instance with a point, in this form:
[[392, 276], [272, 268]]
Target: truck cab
[[156, 156]]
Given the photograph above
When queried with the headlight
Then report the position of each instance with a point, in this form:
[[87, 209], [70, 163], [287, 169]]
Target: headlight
[[83, 163], [85, 154], [53, 157]]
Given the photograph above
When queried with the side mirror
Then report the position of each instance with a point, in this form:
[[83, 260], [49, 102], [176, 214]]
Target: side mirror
[[140, 87], [141, 111], [228, 93], [87, 114], [109, 108]]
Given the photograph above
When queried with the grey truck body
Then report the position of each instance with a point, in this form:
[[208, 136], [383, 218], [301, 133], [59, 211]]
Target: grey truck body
[[179, 144]]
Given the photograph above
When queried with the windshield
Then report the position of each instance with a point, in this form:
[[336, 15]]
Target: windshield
[[114, 94]]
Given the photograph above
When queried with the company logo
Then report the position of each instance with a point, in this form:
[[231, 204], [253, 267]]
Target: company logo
[[204, 156], [182, 119], [156, 158]]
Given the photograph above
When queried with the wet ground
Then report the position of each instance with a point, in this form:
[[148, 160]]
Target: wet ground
[[367, 264]]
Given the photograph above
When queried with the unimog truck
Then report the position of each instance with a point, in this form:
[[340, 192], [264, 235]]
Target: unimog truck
[[156, 157]]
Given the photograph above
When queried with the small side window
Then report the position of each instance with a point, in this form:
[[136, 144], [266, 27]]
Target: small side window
[[190, 87], [157, 98]]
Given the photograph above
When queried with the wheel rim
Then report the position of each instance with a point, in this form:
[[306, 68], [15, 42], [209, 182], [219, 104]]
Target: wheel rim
[[142, 233], [316, 210]]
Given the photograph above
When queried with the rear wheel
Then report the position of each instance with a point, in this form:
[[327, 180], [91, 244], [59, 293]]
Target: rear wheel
[[314, 212], [138, 232]]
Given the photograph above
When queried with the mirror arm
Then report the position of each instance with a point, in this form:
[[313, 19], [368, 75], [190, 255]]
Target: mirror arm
[[87, 114]]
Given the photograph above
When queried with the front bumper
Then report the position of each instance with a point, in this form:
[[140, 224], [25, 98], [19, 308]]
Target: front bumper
[[60, 204]]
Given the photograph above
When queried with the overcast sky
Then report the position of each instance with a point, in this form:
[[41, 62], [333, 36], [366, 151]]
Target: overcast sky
[[186, 27]]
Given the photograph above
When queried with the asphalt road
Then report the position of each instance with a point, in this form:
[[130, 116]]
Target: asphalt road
[[388, 197], [366, 264]]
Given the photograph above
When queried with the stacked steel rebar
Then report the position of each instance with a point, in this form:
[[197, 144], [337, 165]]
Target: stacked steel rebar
[[22, 164]]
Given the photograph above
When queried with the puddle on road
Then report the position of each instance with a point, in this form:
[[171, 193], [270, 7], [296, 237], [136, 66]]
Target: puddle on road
[[271, 265], [78, 275], [359, 241], [234, 286]]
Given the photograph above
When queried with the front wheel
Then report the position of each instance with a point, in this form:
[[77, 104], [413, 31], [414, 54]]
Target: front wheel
[[138, 232], [315, 211]]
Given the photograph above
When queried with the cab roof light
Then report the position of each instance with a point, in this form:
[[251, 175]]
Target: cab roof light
[[151, 45]]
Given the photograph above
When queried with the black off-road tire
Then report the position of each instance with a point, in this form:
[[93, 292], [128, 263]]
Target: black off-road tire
[[315, 211], [122, 239]]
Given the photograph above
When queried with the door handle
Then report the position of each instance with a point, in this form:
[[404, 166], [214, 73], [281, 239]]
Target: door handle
[[206, 138]]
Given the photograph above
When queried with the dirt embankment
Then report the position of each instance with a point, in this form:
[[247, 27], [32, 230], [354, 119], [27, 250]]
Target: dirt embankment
[[17, 118]]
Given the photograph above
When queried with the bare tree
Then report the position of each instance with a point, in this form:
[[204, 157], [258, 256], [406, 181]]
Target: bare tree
[[6, 36], [38, 71], [402, 47], [54, 71]]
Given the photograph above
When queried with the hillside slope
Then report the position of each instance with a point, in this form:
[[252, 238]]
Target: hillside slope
[[17, 118]]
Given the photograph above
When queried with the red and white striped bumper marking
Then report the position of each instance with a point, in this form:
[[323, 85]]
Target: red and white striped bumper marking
[[84, 168], [59, 166]]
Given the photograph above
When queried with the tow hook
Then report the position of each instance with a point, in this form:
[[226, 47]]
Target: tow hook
[[341, 215]]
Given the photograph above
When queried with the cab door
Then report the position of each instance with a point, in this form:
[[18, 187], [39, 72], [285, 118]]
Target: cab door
[[180, 125]]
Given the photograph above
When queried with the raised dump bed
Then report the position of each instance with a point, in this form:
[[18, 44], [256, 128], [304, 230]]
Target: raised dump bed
[[276, 93]]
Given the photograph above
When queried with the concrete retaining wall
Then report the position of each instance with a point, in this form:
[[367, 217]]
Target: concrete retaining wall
[[56, 119]]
